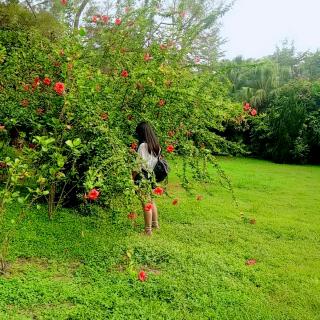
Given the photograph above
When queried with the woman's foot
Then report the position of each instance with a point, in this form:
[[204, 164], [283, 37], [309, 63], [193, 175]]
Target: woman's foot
[[155, 225], [148, 231]]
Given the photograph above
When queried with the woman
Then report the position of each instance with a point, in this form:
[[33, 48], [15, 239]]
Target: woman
[[149, 150]]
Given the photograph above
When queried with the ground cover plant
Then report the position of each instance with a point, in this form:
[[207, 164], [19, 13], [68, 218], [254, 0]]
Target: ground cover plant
[[207, 261]]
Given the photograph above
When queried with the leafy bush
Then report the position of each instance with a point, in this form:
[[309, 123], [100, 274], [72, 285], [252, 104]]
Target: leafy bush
[[289, 131]]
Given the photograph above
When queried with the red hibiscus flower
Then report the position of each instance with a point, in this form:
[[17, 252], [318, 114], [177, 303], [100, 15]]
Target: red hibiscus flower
[[175, 202], [104, 116], [253, 112], [170, 148], [59, 88], [162, 102], [147, 57], [40, 111], [246, 106], [26, 87], [118, 21], [148, 207], [93, 194], [158, 191], [64, 2], [47, 81], [132, 216], [105, 19], [24, 102], [142, 276], [251, 262], [134, 146], [95, 19], [36, 82], [124, 73]]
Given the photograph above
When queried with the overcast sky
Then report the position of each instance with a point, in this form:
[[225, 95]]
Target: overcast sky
[[254, 27]]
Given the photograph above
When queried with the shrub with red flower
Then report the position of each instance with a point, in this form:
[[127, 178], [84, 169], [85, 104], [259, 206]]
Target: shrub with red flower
[[148, 207], [134, 146], [118, 22], [162, 102], [105, 19], [93, 194], [170, 148], [59, 88], [40, 111], [132, 216], [246, 106], [253, 112], [104, 116], [47, 81], [36, 82], [24, 102], [142, 276], [124, 73], [175, 202], [158, 191], [64, 2], [147, 57], [251, 262]]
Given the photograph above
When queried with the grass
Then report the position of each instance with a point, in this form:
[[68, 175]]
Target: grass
[[78, 267]]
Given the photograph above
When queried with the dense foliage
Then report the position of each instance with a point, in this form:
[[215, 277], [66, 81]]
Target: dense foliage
[[284, 89]]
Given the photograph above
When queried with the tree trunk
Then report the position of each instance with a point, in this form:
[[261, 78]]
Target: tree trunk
[[78, 14], [52, 195]]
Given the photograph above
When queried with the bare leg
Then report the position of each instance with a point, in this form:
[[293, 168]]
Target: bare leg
[[155, 222], [148, 222]]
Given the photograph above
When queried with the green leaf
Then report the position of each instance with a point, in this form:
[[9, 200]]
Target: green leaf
[[69, 143], [82, 32], [77, 142]]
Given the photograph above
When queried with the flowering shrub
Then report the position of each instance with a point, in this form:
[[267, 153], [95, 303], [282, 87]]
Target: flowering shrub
[[73, 104]]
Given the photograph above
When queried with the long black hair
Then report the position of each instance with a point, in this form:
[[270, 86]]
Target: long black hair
[[146, 134]]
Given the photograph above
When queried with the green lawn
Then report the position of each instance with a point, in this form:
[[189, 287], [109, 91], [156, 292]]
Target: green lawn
[[86, 268]]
